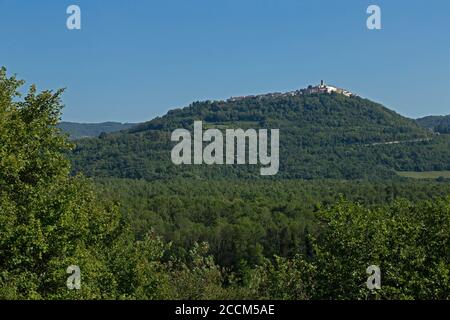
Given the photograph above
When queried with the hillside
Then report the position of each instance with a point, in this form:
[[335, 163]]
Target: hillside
[[440, 124], [86, 130], [321, 136]]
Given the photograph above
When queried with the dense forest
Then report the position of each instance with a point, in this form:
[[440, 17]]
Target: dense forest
[[140, 230], [440, 124], [247, 221]]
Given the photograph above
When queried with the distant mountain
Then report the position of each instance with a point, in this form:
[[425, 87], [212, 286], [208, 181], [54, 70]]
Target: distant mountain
[[321, 136], [439, 124], [86, 130]]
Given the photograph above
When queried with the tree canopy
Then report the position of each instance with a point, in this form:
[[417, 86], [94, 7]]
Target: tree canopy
[[203, 239]]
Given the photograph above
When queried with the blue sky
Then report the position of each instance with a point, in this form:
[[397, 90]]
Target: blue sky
[[137, 59]]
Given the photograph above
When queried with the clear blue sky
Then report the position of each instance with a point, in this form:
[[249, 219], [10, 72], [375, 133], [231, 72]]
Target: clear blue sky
[[134, 60]]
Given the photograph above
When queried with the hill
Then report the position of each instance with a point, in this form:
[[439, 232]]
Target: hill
[[321, 136], [86, 130], [440, 124]]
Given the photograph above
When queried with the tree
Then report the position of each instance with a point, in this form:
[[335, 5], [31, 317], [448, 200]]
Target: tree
[[48, 220], [409, 242]]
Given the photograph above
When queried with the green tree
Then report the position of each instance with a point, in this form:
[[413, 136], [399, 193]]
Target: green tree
[[409, 242], [48, 220]]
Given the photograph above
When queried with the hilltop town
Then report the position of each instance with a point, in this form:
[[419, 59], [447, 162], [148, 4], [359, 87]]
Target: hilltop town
[[322, 88]]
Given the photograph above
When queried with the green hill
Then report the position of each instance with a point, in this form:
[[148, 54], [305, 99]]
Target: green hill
[[86, 130], [321, 136], [440, 124]]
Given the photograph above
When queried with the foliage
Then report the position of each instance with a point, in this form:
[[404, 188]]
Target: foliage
[[49, 220], [85, 130], [245, 220], [321, 136], [207, 239], [409, 242], [440, 124]]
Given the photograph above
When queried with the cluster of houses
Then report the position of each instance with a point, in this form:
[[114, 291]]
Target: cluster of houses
[[322, 88], [325, 88]]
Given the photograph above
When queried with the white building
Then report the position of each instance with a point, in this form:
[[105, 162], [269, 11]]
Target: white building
[[325, 88]]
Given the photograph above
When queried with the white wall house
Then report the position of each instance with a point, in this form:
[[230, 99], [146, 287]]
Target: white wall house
[[325, 88]]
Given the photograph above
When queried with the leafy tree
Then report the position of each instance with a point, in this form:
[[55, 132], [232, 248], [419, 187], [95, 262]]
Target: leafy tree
[[408, 242], [50, 220], [188, 238]]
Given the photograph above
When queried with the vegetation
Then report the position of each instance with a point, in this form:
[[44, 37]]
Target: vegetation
[[49, 220], [440, 124], [192, 238], [322, 136], [245, 222], [85, 130], [400, 238], [426, 175]]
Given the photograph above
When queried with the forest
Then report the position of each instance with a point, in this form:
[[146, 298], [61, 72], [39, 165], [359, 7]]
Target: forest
[[321, 137], [439, 124], [142, 230]]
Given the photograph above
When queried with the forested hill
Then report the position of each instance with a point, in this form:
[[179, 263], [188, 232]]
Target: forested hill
[[440, 124], [86, 130], [321, 136]]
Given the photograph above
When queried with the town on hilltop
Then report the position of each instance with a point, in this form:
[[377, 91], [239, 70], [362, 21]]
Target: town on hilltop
[[322, 88], [325, 88]]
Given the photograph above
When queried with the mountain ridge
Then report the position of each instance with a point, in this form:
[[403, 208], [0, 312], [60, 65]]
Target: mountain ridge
[[440, 124], [77, 130]]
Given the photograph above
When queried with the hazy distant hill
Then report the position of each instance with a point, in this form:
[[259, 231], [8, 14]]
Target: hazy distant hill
[[439, 124], [85, 130], [321, 136]]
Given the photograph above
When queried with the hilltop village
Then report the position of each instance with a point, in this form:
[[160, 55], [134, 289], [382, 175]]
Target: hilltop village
[[322, 88]]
